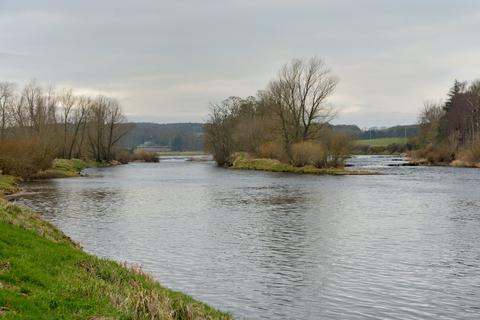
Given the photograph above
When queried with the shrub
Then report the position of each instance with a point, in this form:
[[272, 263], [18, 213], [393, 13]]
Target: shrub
[[338, 147], [126, 156], [272, 150], [308, 153], [361, 149], [377, 149], [470, 153], [435, 154], [146, 156], [25, 157]]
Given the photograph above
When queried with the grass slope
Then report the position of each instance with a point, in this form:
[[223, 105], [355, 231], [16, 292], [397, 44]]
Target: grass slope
[[382, 142], [44, 275], [66, 168], [8, 185]]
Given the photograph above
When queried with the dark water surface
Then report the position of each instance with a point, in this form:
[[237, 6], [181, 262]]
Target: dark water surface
[[404, 245]]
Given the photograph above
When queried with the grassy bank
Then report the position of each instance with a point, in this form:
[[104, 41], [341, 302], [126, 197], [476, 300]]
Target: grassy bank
[[61, 168], [66, 168], [272, 165], [8, 185], [44, 275]]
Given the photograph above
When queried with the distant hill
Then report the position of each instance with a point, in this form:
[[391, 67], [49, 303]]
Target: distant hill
[[392, 132], [350, 129], [177, 136]]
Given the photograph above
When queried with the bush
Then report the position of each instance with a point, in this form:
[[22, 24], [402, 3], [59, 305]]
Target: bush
[[25, 157], [146, 156], [272, 150], [470, 153], [435, 154], [395, 148], [308, 153], [338, 147], [126, 156]]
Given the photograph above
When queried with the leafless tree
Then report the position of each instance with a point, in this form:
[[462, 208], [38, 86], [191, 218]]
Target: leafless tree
[[67, 103], [299, 94], [429, 122], [219, 130], [104, 127], [96, 126], [40, 107], [7, 101], [115, 130], [79, 122], [473, 100]]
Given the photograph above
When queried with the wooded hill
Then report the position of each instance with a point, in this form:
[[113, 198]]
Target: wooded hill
[[177, 136], [188, 136]]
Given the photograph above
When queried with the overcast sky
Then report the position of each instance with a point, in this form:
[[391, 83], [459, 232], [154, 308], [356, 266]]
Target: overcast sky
[[167, 60]]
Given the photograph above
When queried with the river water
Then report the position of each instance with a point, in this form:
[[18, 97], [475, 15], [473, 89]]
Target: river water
[[403, 245]]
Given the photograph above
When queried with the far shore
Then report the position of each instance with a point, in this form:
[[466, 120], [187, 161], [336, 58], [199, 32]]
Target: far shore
[[453, 164], [180, 153]]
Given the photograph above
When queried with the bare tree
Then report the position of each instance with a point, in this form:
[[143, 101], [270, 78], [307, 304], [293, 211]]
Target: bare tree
[[7, 100], [429, 122], [219, 131], [96, 126], [105, 130], [67, 102], [32, 96], [299, 94], [51, 100], [79, 125], [473, 100], [115, 130]]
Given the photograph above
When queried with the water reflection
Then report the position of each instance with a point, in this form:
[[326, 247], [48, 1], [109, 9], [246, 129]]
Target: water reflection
[[405, 245]]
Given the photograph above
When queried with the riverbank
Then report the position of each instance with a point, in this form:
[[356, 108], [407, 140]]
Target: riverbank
[[61, 168], [454, 163], [8, 185], [45, 275], [67, 168], [272, 165]]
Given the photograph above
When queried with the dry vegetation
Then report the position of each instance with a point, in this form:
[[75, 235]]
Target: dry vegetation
[[8, 185], [126, 156]]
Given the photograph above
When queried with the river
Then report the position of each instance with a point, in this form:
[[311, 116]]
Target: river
[[403, 245]]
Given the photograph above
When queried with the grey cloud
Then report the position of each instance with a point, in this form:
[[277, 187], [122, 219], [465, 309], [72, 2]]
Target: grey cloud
[[169, 59]]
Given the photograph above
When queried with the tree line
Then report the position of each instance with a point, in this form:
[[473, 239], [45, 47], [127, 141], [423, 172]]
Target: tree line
[[38, 124], [177, 136], [288, 121], [450, 130]]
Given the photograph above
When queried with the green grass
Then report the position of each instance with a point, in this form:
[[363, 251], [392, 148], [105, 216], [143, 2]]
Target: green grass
[[44, 275], [65, 168], [8, 185], [382, 142], [272, 165]]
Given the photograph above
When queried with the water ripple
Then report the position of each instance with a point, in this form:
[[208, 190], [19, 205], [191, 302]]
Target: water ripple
[[405, 245]]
